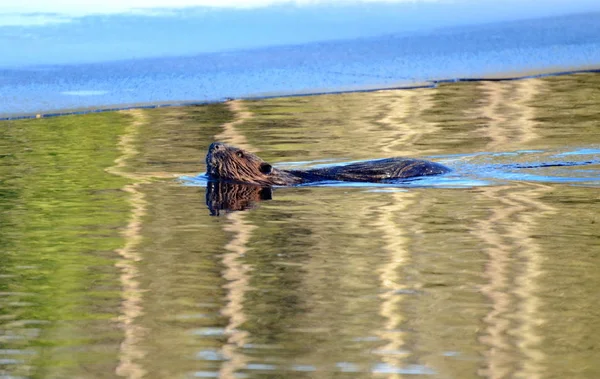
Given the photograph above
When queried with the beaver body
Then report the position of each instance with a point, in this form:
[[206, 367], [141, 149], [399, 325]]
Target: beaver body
[[232, 164]]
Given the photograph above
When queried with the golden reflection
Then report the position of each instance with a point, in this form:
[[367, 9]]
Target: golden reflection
[[395, 244], [229, 133], [389, 121], [406, 128], [527, 285], [236, 273], [507, 109], [514, 264], [511, 121], [131, 307], [347, 126], [402, 117]]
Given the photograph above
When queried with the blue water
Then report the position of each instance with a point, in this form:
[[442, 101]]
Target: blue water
[[394, 60], [537, 165], [481, 169]]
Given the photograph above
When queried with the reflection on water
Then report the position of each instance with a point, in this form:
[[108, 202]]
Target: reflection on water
[[234, 197], [131, 305], [511, 287], [112, 264]]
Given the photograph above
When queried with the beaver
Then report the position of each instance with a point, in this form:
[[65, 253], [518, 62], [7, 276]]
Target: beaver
[[232, 164]]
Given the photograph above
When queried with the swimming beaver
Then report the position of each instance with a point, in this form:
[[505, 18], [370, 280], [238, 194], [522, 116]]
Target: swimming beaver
[[232, 164]]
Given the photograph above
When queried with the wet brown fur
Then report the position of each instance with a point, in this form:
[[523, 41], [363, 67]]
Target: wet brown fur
[[236, 165]]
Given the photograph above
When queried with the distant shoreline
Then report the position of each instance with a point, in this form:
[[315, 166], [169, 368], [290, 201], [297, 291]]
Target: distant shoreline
[[507, 76]]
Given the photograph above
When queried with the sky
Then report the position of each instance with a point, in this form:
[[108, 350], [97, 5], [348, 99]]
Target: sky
[[42, 32]]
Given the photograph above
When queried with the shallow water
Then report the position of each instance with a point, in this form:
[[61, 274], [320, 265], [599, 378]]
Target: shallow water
[[112, 264]]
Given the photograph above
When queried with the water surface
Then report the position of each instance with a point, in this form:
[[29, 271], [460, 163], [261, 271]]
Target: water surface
[[112, 264], [116, 74]]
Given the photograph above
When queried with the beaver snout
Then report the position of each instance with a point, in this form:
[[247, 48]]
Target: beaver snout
[[216, 146]]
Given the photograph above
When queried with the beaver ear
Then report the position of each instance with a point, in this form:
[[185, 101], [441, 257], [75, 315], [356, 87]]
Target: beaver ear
[[265, 168]]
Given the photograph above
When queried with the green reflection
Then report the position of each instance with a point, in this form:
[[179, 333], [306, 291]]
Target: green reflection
[[61, 217], [111, 267]]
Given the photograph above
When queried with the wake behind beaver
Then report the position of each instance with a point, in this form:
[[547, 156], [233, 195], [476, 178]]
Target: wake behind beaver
[[232, 164]]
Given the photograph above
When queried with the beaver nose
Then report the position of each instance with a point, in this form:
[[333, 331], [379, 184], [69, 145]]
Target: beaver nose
[[216, 146]]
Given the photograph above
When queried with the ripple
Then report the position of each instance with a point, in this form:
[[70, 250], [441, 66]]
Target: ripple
[[304, 368], [584, 151], [210, 332], [206, 374], [347, 367], [210, 355], [385, 368], [260, 367]]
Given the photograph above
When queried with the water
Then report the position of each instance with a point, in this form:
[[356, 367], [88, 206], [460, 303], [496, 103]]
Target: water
[[113, 265], [174, 76]]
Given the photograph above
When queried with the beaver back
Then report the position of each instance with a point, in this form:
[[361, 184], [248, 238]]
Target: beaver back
[[376, 170]]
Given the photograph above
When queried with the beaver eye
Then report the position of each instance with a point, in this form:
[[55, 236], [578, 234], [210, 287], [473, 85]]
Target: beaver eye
[[240, 154]]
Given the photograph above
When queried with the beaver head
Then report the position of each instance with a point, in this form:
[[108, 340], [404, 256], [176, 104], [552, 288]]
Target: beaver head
[[229, 163]]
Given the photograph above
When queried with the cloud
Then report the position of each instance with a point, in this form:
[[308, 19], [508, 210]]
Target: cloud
[[77, 8], [31, 19], [43, 12]]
